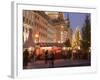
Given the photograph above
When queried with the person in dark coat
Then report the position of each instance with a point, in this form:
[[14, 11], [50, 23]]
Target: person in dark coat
[[52, 59], [46, 56], [33, 56], [25, 58]]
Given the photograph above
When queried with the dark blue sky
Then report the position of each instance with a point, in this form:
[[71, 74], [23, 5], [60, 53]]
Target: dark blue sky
[[76, 19]]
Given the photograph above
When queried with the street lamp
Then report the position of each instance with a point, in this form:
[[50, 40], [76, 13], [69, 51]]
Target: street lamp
[[78, 47], [37, 37]]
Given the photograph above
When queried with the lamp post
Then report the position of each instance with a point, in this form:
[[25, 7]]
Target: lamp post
[[62, 34]]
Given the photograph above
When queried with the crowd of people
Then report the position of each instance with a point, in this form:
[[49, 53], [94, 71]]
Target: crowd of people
[[49, 56], [31, 56]]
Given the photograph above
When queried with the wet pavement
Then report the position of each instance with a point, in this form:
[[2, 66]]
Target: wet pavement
[[58, 63]]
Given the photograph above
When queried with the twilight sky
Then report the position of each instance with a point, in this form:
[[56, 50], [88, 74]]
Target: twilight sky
[[76, 19]]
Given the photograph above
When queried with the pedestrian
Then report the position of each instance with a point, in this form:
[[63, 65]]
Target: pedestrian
[[25, 58], [34, 56], [64, 54], [51, 59], [69, 55], [46, 56]]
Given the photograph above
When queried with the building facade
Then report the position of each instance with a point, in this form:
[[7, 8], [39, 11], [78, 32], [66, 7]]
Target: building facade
[[45, 27]]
